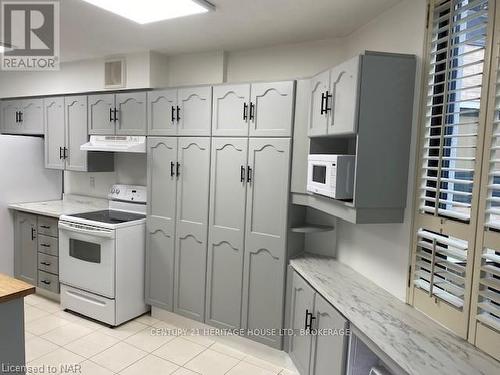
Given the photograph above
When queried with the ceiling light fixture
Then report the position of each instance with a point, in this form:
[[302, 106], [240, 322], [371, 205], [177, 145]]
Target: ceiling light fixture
[[147, 11]]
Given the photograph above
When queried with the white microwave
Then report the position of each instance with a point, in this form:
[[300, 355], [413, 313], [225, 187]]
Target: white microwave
[[331, 175]]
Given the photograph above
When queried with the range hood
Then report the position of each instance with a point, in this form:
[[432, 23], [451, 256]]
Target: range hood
[[115, 144]]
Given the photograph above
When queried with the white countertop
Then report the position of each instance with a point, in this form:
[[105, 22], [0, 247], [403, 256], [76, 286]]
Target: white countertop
[[70, 204], [416, 343]]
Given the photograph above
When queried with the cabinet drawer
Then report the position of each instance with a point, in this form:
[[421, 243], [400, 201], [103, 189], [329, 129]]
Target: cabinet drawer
[[88, 304], [48, 281], [48, 245], [47, 226], [48, 263]]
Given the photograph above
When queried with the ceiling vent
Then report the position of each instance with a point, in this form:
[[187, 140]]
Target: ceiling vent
[[114, 74]]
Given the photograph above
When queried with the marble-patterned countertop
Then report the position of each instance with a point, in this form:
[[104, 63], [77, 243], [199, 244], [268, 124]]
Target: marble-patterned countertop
[[70, 204], [415, 342]]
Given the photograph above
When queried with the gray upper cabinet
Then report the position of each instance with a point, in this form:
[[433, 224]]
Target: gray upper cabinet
[[194, 105], [162, 191], [266, 230], [25, 247], [162, 111], [230, 111], [10, 116], [192, 226], [271, 109], [329, 351], [315, 353], [54, 133], [256, 110], [22, 116], [342, 105], [65, 121], [226, 231], [302, 302], [32, 116], [318, 116], [75, 108], [100, 114], [130, 113]]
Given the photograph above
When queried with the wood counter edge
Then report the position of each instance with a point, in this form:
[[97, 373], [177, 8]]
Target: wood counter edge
[[11, 288]]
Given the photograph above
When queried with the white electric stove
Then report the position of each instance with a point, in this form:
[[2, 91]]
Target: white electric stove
[[101, 258]]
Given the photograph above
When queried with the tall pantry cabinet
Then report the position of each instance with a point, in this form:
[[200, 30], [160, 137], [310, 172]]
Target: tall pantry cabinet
[[218, 208]]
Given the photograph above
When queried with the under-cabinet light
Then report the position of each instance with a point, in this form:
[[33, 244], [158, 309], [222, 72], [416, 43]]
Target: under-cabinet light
[[147, 11]]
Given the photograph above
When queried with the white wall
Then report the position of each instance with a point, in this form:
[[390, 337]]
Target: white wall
[[381, 252], [145, 69], [23, 178], [197, 69]]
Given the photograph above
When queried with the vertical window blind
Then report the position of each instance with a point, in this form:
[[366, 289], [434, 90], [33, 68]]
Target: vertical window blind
[[455, 87], [493, 199]]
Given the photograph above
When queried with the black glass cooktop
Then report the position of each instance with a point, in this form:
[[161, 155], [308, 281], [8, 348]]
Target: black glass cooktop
[[110, 216]]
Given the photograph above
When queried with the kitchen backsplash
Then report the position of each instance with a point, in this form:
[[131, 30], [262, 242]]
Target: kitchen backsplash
[[130, 169]]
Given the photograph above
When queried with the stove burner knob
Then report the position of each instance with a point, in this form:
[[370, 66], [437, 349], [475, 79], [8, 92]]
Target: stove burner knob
[[117, 191], [113, 191]]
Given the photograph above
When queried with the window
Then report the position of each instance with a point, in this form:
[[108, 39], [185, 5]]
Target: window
[[456, 70], [459, 40]]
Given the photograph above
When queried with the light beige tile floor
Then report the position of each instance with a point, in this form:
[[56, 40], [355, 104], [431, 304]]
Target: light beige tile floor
[[140, 347]]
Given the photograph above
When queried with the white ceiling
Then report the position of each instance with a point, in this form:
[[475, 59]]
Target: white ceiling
[[87, 31]]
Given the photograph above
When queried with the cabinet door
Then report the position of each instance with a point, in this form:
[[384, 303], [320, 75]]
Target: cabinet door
[[54, 132], [162, 112], [194, 115], [329, 351], [226, 231], [302, 301], [25, 245], [271, 112], [76, 132], [318, 116], [192, 225], [131, 115], [10, 123], [345, 97], [265, 235], [100, 114], [160, 241], [32, 116], [230, 112]]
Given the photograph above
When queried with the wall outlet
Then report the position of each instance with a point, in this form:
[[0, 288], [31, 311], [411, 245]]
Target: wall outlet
[[92, 182]]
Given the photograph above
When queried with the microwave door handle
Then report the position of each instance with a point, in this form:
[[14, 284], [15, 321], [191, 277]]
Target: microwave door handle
[[97, 233]]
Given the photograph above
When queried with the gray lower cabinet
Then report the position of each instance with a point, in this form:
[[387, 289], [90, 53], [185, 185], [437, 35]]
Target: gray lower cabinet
[[322, 348], [193, 172], [268, 177], [226, 232], [25, 247], [302, 302], [160, 240], [36, 253], [179, 175]]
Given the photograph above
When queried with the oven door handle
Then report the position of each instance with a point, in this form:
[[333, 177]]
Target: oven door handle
[[78, 228]]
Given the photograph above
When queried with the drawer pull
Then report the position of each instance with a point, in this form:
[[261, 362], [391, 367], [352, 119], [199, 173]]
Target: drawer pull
[[45, 282], [44, 245], [44, 226], [45, 263]]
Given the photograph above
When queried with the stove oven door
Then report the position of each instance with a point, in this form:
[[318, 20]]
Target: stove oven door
[[87, 258]]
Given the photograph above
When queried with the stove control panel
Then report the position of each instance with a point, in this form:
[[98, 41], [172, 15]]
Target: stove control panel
[[128, 193]]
